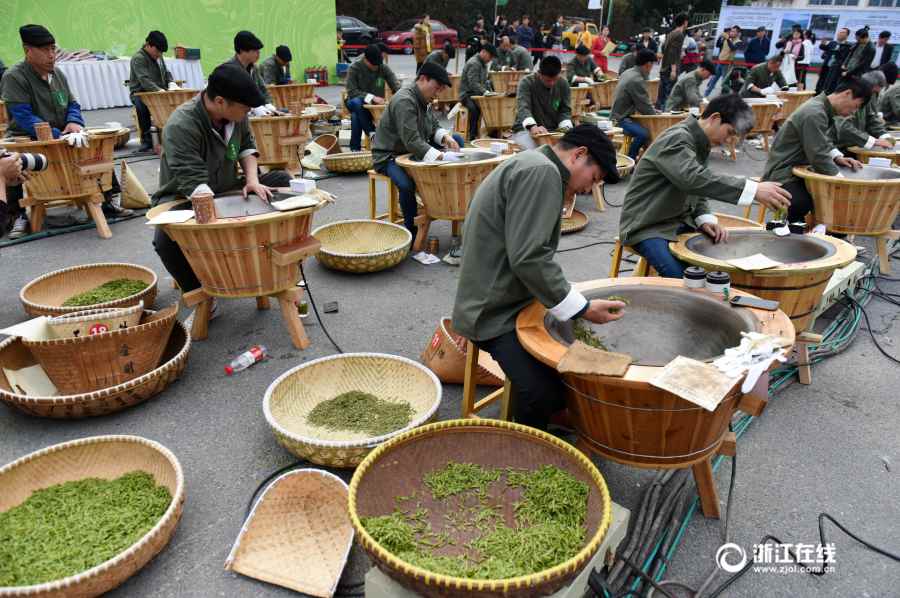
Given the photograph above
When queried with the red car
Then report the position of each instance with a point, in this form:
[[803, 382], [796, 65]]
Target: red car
[[403, 35]]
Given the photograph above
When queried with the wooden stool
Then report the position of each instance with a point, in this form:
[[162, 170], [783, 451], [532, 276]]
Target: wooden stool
[[599, 197], [642, 268], [760, 216], [461, 122], [881, 243], [471, 407], [394, 214]]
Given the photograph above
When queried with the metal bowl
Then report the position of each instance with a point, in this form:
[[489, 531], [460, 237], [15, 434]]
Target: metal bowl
[[871, 173], [791, 249]]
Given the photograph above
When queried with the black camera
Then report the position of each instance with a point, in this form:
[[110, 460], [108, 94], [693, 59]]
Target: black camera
[[32, 162]]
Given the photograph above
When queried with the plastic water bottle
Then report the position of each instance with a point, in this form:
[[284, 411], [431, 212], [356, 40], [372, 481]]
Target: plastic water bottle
[[254, 354]]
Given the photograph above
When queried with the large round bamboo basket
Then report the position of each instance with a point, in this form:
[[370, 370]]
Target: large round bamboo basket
[[657, 123], [163, 103], [45, 295], [362, 246], [498, 111], [485, 144], [105, 457], [652, 86], [396, 468], [577, 222], [579, 99], [627, 419], [602, 93], [506, 82], [450, 95], [72, 172], [851, 205], [377, 111], [348, 162], [808, 262], [284, 96], [290, 398], [15, 355], [320, 110], [447, 189], [791, 100], [280, 140], [863, 155], [233, 257]]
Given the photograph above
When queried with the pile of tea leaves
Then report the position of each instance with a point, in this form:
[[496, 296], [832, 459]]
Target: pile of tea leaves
[[68, 528], [582, 331], [108, 291], [549, 522], [357, 411]]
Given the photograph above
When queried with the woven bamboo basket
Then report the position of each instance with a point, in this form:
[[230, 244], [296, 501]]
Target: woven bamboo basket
[[506, 82], [447, 189], [580, 99], [362, 246], [624, 165], [791, 100], [396, 468], [578, 221], [445, 355], [300, 518], [376, 110], [89, 363], [450, 95], [627, 419], [853, 206], [602, 93], [348, 162], [44, 296], [283, 96], [291, 397], [498, 111], [863, 155], [163, 103], [320, 110], [808, 262], [657, 123], [485, 143], [105, 457], [240, 257], [79, 324], [652, 86], [280, 140]]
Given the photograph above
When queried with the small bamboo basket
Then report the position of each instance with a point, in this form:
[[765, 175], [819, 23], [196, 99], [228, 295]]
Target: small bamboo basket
[[291, 397], [362, 246], [445, 355], [105, 457], [624, 165], [852, 206], [498, 112], [163, 103], [44, 296], [283, 96], [348, 162]]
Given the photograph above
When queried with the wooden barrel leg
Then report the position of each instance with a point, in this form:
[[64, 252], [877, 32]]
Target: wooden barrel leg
[[765, 137], [292, 318], [373, 195], [706, 488], [262, 303], [38, 212], [884, 260], [424, 223], [455, 226], [200, 326], [599, 198], [616, 260], [96, 212]]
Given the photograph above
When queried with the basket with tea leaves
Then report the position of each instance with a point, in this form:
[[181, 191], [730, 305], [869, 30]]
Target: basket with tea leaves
[[106, 292], [357, 411]]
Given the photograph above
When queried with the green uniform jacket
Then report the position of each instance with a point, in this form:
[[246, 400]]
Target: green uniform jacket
[[685, 93], [806, 138], [253, 70], [49, 101], [439, 58], [628, 61], [407, 126], [860, 58], [510, 237], [761, 77], [890, 103], [576, 69], [537, 105], [474, 80], [362, 81], [631, 96], [195, 153], [520, 59], [859, 127], [273, 73], [147, 74], [671, 183]]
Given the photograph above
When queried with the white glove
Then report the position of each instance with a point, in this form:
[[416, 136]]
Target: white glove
[[173, 86], [565, 125], [272, 109], [259, 111], [79, 139]]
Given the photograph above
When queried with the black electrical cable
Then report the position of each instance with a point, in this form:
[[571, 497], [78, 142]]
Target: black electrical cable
[[600, 587], [316, 311], [871, 332], [586, 246]]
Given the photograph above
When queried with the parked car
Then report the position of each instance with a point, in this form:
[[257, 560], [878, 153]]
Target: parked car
[[569, 35], [356, 33], [403, 35]]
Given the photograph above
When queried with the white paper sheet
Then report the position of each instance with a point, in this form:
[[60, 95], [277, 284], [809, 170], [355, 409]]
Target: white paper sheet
[[171, 217], [695, 381], [426, 258], [757, 261], [295, 203]]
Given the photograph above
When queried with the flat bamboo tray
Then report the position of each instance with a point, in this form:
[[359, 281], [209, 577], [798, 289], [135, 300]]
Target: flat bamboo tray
[[280, 140], [578, 221], [362, 246], [348, 162], [498, 111], [862, 154], [106, 457], [45, 295], [657, 123], [506, 82], [284, 96], [15, 355], [396, 468], [602, 93], [291, 397], [791, 100], [163, 103]]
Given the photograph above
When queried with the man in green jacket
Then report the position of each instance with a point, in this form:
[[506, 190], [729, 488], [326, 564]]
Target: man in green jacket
[[276, 69], [149, 73], [865, 128], [686, 92], [629, 60], [408, 126], [246, 56], [667, 195], [631, 97], [582, 68], [474, 81], [366, 79], [860, 56], [510, 238], [543, 103], [442, 56], [889, 102], [807, 138], [204, 141], [764, 79], [512, 56]]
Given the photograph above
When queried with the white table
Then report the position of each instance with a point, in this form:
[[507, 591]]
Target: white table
[[98, 83]]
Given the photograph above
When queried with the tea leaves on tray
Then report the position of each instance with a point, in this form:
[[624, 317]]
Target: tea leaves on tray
[[357, 411], [584, 334], [108, 291], [68, 528]]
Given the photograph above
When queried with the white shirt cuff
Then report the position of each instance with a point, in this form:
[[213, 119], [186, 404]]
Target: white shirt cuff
[[705, 219], [439, 135], [749, 193], [432, 155], [835, 153], [870, 142], [368, 99], [248, 152], [202, 188], [528, 122], [568, 307], [566, 124]]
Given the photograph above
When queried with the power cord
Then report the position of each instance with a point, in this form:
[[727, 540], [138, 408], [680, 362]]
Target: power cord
[[316, 310], [878, 346], [586, 246]]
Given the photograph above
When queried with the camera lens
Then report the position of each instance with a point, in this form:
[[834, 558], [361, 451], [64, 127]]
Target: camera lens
[[34, 162]]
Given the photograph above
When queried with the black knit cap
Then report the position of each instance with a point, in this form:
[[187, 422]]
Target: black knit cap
[[234, 83], [582, 49], [245, 41], [373, 55], [491, 49], [436, 72], [598, 145], [158, 40], [284, 53], [36, 35]]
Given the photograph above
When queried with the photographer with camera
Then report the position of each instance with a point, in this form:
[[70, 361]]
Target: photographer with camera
[[10, 175]]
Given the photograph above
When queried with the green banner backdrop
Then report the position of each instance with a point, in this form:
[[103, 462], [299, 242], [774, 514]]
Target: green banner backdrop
[[119, 27]]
